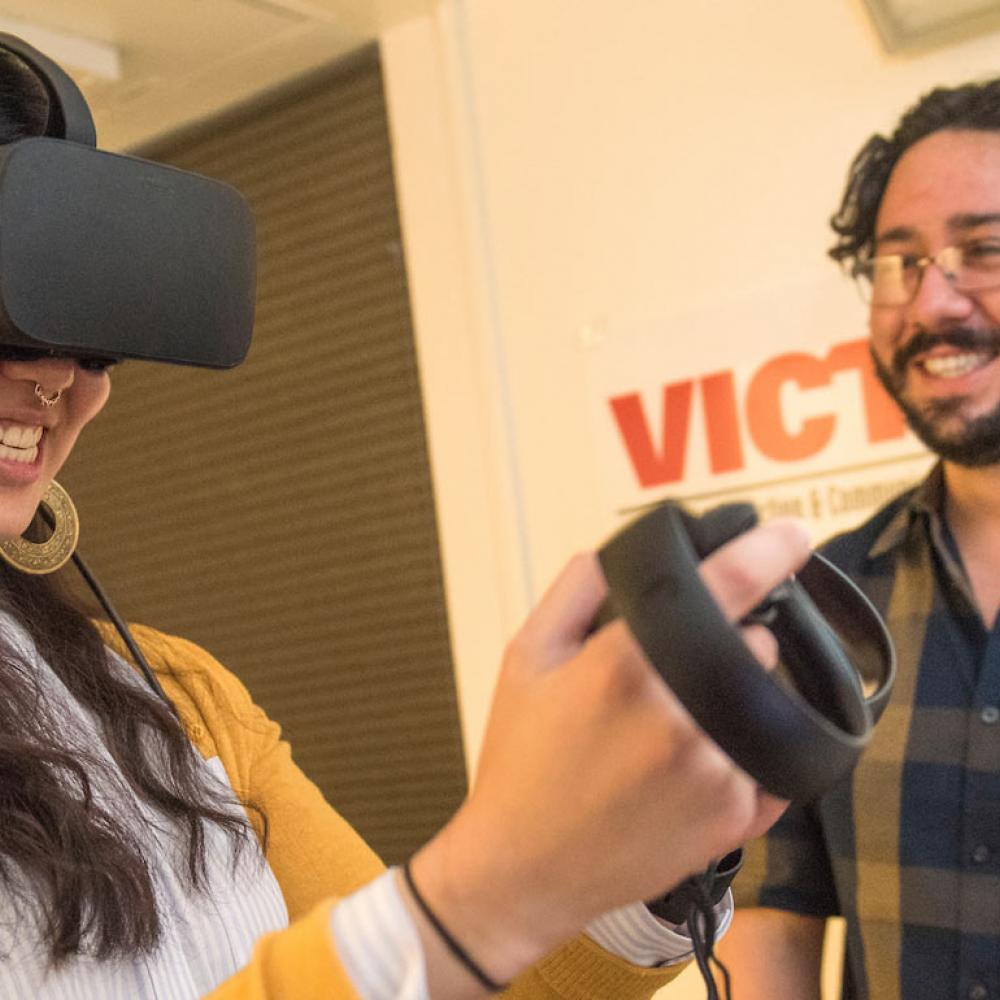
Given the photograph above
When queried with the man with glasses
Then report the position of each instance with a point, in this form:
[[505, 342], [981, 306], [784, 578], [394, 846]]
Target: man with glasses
[[908, 850]]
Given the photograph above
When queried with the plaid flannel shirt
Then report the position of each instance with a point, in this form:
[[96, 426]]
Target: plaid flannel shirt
[[908, 848]]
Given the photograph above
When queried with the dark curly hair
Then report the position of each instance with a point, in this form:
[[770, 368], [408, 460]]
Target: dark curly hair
[[974, 106], [24, 101]]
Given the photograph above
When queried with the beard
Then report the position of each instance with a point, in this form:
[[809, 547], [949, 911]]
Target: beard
[[976, 441]]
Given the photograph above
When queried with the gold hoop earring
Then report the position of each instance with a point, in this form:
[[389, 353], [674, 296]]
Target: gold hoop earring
[[39, 558]]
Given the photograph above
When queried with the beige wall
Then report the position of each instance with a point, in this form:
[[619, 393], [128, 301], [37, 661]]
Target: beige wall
[[595, 164]]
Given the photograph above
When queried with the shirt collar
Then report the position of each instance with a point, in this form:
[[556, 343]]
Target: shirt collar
[[926, 501]]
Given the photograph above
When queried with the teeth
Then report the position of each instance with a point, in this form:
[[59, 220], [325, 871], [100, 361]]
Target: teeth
[[954, 365], [19, 443], [24, 455], [20, 436]]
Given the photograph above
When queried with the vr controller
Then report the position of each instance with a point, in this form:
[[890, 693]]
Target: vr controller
[[798, 729], [111, 256]]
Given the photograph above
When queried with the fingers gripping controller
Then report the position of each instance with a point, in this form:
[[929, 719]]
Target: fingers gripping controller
[[797, 730]]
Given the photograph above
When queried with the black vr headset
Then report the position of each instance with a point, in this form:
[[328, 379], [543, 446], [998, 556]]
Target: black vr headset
[[111, 256]]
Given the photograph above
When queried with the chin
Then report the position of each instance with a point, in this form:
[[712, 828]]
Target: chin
[[15, 525], [974, 444]]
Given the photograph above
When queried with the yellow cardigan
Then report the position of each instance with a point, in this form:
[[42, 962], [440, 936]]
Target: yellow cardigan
[[317, 857]]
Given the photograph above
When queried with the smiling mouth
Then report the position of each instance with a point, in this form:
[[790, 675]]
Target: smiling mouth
[[19, 443], [955, 365]]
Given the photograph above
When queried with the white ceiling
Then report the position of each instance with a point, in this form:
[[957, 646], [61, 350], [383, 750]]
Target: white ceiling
[[183, 60]]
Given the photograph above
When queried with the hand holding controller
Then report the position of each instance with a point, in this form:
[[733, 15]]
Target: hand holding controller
[[797, 730]]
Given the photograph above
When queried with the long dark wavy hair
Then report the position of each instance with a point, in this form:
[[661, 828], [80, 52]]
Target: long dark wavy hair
[[75, 865], [974, 106]]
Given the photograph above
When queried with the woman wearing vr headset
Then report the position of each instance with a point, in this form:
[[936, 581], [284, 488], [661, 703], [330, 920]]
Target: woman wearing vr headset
[[162, 843]]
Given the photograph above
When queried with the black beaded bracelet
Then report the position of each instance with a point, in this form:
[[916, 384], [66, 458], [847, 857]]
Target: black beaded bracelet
[[453, 946]]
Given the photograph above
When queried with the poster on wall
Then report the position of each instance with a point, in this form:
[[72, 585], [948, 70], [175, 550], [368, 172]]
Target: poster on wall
[[769, 398]]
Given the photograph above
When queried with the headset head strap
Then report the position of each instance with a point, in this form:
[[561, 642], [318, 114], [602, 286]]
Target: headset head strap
[[69, 114]]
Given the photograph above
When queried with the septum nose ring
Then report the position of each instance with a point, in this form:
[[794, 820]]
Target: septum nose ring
[[47, 401]]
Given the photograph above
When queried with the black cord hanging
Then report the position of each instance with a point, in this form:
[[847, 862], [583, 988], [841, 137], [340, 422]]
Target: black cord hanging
[[116, 619], [122, 629], [701, 927], [692, 904]]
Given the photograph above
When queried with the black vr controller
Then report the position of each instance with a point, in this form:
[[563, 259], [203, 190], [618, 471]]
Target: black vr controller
[[796, 730], [113, 256]]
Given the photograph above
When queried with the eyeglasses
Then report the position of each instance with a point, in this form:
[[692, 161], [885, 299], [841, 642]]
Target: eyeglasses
[[894, 279]]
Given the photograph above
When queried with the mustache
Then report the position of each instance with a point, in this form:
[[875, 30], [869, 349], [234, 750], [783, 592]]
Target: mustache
[[961, 338]]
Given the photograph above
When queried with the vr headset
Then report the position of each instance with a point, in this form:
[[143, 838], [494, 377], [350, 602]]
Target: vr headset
[[111, 256]]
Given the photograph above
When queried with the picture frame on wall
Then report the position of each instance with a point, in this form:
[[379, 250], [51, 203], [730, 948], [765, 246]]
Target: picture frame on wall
[[906, 26]]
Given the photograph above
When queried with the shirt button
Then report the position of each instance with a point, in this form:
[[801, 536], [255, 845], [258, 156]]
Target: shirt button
[[990, 715], [978, 992], [980, 854]]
